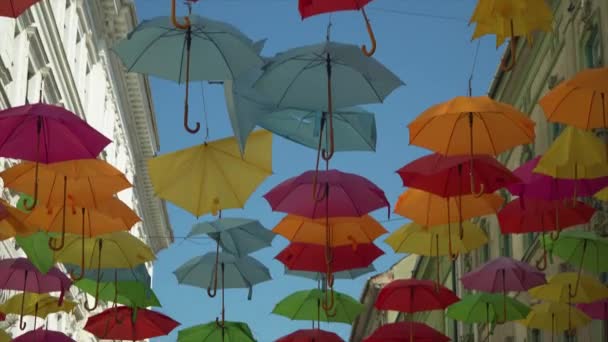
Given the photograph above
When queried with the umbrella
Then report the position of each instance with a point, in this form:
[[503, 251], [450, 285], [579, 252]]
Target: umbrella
[[310, 8], [602, 195], [114, 250], [397, 332], [35, 304], [138, 274], [36, 248], [511, 19], [310, 335], [210, 332], [584, 249], [238, 236], [305, 306], [321, 276], [503, 275], [540, 186], [14, 8], [162, 47], [555, 317], [570, 287], [213, 176], [310, 257], [324, 76], [471, 125], [43, 335], [121, 323], [335, 231], [414, 295], [21, 275], [583, 94], [596, 310], [344, 194], [65, 136], [487, 308], [449, 176], [13, 222], [354, 128], [129, 293]]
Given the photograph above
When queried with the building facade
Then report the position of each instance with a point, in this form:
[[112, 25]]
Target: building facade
[[579, 41], [63, 48]]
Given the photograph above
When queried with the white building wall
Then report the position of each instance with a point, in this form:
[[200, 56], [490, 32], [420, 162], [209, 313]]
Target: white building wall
[[67, 42]]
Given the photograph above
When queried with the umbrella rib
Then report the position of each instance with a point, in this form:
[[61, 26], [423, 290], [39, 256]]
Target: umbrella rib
[[222, 54], [294, 79], [145, 50], [216, 164], [367, 81], [276, 64], [483, 121], [570, 91], [590, 107], [14, 133]]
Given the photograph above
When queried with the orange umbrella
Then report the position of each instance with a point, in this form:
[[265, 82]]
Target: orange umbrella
[[581, 101], [12, 222], [471, 125], [338, 231]]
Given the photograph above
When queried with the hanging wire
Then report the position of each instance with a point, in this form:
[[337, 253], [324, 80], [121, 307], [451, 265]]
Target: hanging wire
[[417, 14], [473, 68]]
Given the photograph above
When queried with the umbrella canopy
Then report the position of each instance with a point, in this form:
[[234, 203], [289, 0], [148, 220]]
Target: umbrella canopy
[[138, 274], [312, 258], [339, 232], [121, 323], [224, 179], [348, 195], [354, 128], [414, 295], [36, 248], [321, 276], [448, 176], [211, 332], [427, 209], [571, 287], [43, 335], [13, 222], [436, 240], [555, 317], [529, 216], [35, 304], [21, 275], [586, 250], [129, 293], [306, 306], [584, 94], [239, 273], [310, 335], [405, 332], [487, 308], [238, 236], [503, 275], [596, 310], [14, 8], [540, 186], [574, 154], [310, 8]]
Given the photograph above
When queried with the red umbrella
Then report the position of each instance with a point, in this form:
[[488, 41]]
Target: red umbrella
[[309, 257], [43, 335], [449, 176], [122, 323], [14, 8], [309, 8], [330, 194], [397, 332], [311, 335], [414, 295]]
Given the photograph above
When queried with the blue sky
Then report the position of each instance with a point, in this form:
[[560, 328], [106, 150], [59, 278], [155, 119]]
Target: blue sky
[[431, 52]]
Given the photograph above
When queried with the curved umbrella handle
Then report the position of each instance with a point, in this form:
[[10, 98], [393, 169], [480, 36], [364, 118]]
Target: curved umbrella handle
[[52, 244], [86, 302], [558, 229], [327, 155], [82, 258], [197, 127], [481, 185], [372, 36], [22, 324], [508, 65], [213, 293], [329, 302], [541, 263], [174, 18], [38, 133]]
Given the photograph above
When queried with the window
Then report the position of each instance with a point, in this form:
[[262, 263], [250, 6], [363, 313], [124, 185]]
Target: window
[[484, 251], [506, 247], [535, 335], [527, 153], [593, 49]]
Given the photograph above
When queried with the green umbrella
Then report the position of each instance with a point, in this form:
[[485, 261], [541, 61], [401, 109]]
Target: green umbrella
[[129, 293], [487, 308], [580, 248], [354, 128], [237, 236], [36, 247], [211, 332], [305, 306]]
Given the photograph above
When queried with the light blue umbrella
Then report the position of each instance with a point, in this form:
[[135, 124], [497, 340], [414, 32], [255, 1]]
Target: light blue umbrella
[[238, 273], [222, 52], [354, 128], [237, 236], [316, 276], [325, 76]]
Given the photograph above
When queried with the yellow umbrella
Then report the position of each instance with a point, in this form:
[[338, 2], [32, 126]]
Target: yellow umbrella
[[555, 317], [12, 222], [562, 288], [35, 304], [4, 336], [511, 19], [114, 250], [213, 176], [602, 195]]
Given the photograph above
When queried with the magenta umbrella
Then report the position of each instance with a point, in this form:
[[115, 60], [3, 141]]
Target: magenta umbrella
[[539, 186], [43, 335], [43, 133], [331, 193], [597, 310], [21, 275]]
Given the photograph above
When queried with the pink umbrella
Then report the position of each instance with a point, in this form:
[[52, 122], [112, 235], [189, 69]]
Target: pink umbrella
[[43, 335], [331, 194], [21, 275], [539, 186], [596, 310], [45, 134], [311, 335], [399, 332]]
